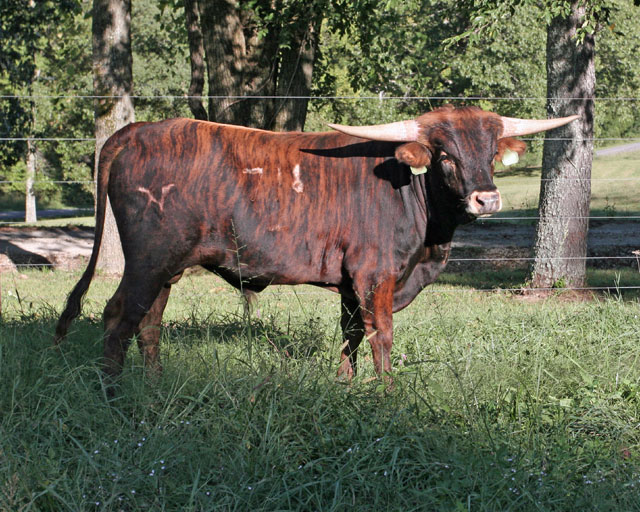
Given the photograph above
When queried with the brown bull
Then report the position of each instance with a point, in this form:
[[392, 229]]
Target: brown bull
[[352, 212]]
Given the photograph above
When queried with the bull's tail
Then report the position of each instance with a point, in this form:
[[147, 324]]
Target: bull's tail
[[74, 300]]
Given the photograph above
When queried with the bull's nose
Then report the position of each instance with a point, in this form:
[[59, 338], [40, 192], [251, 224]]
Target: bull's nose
[[482, 204]]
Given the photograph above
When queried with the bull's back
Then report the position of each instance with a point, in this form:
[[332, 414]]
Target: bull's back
[[284, 206]]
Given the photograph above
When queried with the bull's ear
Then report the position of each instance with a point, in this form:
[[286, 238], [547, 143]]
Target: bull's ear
[[415, 155], [509, 150]]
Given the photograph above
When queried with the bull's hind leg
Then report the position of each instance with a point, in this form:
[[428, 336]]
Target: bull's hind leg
[[149, 332], [352, 334], [150, 328], [123, 314]]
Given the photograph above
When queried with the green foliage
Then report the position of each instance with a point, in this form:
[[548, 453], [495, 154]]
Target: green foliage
[[27, 39], [62, 106], [413, 50], [160, 61], [380, 54], [488, 16]]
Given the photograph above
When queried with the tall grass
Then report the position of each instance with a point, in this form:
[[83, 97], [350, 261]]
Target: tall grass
[[499, 404]]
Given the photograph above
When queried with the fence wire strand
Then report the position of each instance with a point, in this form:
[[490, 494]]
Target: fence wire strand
[[378, 98]]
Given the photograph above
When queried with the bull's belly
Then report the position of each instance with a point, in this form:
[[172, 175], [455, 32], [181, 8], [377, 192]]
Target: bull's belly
[[265, 265]]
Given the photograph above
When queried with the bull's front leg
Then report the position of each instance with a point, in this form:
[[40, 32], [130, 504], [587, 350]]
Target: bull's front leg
[[352, 334], [376, 309]]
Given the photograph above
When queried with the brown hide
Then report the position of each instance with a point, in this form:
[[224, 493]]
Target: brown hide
[[261, 208]]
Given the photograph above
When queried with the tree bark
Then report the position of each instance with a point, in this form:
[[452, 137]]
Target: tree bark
[[248, 66], [30, 214], [294, 81], [30, 210], [113, 83], [196, 54], [565, 190]]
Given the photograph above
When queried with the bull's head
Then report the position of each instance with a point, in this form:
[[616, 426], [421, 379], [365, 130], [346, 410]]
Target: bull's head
[[460, 147]]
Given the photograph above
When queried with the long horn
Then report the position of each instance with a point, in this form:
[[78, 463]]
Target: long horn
[[401, 131], [513, 127]]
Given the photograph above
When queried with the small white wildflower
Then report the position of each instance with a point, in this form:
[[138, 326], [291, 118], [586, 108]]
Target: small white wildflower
[[96, 452], [133, 491]]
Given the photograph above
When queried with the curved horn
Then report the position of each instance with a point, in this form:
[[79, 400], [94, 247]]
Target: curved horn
[[401, 131], [513, 127]]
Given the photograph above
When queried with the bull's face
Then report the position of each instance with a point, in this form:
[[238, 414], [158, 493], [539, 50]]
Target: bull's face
[[460, 147], [460, 150]]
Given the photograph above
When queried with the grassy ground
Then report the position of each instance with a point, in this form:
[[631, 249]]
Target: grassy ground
[[614, 188], [499, 404]]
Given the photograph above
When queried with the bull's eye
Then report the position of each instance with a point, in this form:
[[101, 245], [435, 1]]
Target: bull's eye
[[446, 162]]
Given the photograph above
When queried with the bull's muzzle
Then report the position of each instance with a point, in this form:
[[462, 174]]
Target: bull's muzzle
[[483, 204]]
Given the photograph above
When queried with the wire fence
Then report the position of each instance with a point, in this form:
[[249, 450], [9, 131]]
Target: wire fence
[[630, 259]]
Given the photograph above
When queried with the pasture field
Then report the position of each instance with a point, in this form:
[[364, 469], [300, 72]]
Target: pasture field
[[615, 186], [499, 403]]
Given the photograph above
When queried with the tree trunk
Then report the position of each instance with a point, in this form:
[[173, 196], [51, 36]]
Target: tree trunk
[[225, 52], [113, 82], [294, 81], [565, 190], [248, 66], [196, 54], [30, 214]]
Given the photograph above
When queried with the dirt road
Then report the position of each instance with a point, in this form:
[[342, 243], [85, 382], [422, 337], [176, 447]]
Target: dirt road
[[70, 248]]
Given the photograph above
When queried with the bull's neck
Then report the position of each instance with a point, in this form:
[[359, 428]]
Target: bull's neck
[[440, 209]]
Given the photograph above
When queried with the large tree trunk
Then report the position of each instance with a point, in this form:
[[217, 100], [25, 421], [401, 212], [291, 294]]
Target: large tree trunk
[[113, 83], [294, 81], [196, 54], [248, 66], [565, 190]]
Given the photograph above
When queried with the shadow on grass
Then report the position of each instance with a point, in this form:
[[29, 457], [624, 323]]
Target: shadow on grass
[[295, 341], [268, 437], [513, 172], [621, 283]]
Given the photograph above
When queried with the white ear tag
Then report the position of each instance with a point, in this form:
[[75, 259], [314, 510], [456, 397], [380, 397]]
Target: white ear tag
[[510, 157], [418, 170]]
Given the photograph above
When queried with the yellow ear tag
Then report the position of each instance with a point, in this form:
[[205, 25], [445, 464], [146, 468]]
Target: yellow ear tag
[[510, 157], [418, 170]]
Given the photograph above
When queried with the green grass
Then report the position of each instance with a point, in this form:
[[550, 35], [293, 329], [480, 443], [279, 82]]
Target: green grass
[[614, 188], [53, 223], [499, 404]]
